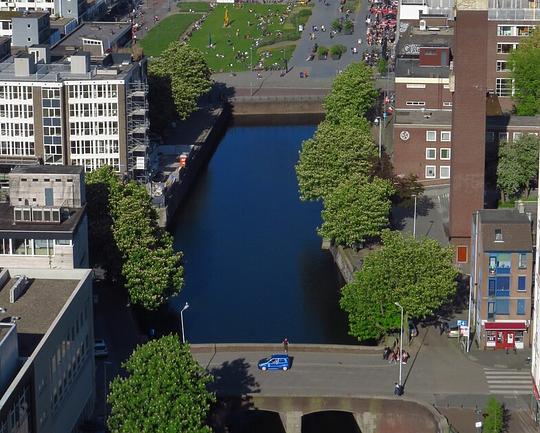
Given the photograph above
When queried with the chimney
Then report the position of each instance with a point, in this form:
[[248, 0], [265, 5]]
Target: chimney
[[24, 65], [80, 63]]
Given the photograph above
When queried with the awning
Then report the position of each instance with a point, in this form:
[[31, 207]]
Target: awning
[[505, 326]]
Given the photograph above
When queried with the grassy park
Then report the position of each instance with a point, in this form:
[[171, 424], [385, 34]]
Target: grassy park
[[168, 30], [193, 7], [253, 30]]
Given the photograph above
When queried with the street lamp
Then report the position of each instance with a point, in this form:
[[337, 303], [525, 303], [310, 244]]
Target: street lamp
[[414, 217], [400, 347], [182, 321], [380, 122], [251, 69]]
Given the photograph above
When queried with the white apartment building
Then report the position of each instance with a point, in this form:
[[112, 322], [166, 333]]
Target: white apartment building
[[535, 327], [73, 113]]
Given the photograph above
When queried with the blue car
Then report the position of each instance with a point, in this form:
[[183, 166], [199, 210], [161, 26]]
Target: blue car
[[275, 362]]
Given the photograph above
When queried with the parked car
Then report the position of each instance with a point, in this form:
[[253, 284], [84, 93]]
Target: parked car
[[451, 328], [100, 349], [275, 362]]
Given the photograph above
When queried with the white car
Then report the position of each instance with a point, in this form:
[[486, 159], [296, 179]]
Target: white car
[[100, 348]]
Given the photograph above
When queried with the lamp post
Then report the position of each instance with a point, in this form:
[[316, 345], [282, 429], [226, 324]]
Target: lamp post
[[105, 363], [400, 345], [380, 121], [414, 217], [182, 321], [251, 69]]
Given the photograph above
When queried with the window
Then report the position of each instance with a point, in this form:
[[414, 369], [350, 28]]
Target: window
[[492, 265], [491, 310], [462, 254], [431, 153], [498, 235], [447, 104], [501, 66], [505, 47], [505, 30], [517, 135], [431, 172], [431, 135], [522, 260], [504, 87], [446, 135], [520, 310], [503, 136], [416, 86], [502, 306], [444, 172], [503, 286], [524, 30], [445, 153], [490, 137], [492, 284], [415, 103], [522, 280]]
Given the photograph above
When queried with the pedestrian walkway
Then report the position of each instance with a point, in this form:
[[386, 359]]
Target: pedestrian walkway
[[508, 382]]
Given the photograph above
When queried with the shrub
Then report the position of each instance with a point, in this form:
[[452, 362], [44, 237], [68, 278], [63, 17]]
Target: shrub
[[494, 417], [382, 66], [336, 51], [348, 27], [322, 51], [336, 26]]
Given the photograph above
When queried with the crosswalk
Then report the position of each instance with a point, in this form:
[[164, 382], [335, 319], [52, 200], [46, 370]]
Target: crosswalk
[[508, 382]]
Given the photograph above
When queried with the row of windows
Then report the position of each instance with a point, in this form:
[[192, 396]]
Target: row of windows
[[19, 413], [15, 91], [17, 129], [500, 286], [505, 30], [444, 153], [423, 103], [93, 91], [92, 110], [91, 164], [81, 147], [506, 47], [21, 148], [431, 172], [11, 111], [432, 135], [93, 128], [30, 247], [504, 136], [502, 307], [50, 93]]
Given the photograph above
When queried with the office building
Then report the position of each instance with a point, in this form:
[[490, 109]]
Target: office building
[[46, 350]]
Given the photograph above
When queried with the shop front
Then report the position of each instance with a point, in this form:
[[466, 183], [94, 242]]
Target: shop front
[[505, 335]]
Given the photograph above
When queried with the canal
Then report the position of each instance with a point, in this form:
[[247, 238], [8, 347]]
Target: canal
[[254, 268]]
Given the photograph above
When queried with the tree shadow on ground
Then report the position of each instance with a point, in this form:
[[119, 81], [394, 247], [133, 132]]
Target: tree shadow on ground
[[233, 385], [405, 210]]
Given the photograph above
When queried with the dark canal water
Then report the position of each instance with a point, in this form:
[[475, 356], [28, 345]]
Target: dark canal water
[[254, 268]]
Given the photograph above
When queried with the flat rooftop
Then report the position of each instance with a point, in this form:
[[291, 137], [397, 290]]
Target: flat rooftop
[[410, 67], [48, 169], [36, 230], [37, 308], [8, 15], [102, 31], [516, 121], [419, 117]]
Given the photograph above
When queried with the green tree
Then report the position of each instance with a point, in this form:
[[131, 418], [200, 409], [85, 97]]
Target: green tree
[[356, 210], [164, 391], [518, 165], [333, 154], [494, 419], [524, 62], [180, 74], [352, 94], [419, 274]]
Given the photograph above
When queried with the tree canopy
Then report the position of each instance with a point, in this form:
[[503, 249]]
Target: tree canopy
[[332, 155], [518, 165], [151, 269], [352, 94], [419, 274], [524, 62], [164, 391], [356, 210], [179, 75]]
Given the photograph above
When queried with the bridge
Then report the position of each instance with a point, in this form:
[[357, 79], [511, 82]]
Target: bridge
[[356, 380]]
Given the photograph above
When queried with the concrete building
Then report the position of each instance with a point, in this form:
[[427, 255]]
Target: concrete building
[[501, 279], [44, 223], [30, 29], [73, 112], [46, 350], [535, 327]]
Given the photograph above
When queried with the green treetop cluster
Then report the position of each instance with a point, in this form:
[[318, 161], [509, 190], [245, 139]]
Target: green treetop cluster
[[125, 235], [164, 391]]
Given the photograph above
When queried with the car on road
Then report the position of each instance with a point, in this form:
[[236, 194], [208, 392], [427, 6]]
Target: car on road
[[277, 361], [100, 349], [451, 328]]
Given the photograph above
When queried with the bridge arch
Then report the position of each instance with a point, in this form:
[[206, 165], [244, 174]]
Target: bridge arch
[[330, 420]]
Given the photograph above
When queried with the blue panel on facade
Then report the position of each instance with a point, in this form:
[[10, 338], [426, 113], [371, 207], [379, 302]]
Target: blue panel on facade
[[492, 284], [503, 286], [521, 283], [521, 307], [502, 306]]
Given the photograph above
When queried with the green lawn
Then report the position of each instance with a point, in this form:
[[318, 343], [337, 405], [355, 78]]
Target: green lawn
[[193, 6], [168, 30], [231, 45], [275, 57]]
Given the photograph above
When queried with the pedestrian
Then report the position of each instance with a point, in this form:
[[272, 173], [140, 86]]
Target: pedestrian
[[386, 353], [286, 345]]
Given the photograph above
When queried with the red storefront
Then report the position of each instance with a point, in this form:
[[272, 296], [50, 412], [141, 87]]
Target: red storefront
[[505, 335]]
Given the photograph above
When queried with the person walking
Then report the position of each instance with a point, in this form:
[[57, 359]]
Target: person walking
[[286, 345]]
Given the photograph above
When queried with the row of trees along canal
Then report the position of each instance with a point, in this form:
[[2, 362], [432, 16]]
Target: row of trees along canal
[[358, 189]]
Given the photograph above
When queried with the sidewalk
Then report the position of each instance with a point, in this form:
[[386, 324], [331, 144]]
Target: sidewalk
[[463, 421]]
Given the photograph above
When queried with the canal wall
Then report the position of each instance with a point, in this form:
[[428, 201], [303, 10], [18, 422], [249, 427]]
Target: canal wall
[[278, 110], [203, 149]]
